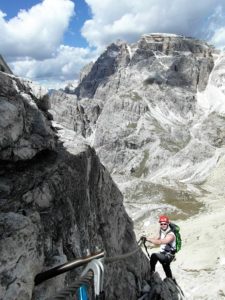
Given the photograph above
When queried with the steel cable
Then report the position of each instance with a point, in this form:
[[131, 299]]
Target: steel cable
[[122, 256], [88, 278]]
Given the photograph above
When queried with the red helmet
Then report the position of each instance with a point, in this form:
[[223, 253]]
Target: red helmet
[[164, 219]]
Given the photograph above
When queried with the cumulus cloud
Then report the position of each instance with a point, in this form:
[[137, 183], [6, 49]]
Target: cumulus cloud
[[37, 32], [128, 19], [31, 42], [218, 39], [216, 29], [63, 67]]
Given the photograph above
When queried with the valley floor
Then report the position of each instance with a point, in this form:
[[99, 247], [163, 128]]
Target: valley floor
[[200, 265]]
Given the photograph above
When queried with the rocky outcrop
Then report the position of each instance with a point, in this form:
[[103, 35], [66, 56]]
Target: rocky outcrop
[[80, 116], [24, 129], [56, 201], [115, 57], [4, 67]]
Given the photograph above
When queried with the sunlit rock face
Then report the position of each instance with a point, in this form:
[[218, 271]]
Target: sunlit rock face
[[56, 201], [150, 101], [161, 59], [159, 124], [24, 130]]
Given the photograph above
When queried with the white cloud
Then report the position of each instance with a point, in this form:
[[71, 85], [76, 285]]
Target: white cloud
[[129, 19], [216, 30], [218, 39], [31, 42], [37, 32], [64, 66]]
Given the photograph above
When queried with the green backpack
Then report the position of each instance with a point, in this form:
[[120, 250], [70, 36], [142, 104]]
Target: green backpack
[[176, 230]]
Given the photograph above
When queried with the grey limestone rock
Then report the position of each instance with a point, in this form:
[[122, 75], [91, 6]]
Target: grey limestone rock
[[25, 131], [161, 114], [4, 67], [115, 57], [78, 115], [21, 254], [56, 201]]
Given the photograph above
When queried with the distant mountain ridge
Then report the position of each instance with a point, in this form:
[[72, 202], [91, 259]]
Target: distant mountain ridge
[[121, 55], [141, 107]]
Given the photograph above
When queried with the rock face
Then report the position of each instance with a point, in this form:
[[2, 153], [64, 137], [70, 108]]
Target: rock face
[[172, 60], [154, 112], [80, 116], [3, 66], [56, 201], [160, 133], [24, 130], [158, 125]]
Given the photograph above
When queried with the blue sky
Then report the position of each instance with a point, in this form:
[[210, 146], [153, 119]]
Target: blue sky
[[73, 35], [49, 41], [11, 8]]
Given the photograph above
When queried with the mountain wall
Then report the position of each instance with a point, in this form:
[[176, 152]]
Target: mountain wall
[[159, 129], [143, 107], [56, 201], [153, 112]]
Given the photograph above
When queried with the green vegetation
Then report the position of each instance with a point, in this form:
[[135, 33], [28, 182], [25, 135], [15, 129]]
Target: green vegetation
[[186, 203], [135, 96], [183, 200], [132, 125], [174, 146], [142, 169]]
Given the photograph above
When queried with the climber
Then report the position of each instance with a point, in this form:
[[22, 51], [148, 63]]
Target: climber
[[167, 241]]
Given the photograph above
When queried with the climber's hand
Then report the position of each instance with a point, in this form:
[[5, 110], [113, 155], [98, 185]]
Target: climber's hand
[[143, 238]]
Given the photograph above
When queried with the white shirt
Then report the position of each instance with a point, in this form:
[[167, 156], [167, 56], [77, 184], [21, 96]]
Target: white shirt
[[170, 246]]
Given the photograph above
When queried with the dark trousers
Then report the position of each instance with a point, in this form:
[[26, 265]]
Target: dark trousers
[[165, 259]]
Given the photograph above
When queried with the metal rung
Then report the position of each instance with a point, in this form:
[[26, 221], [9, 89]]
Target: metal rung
[[93, 273], [96, 266]]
